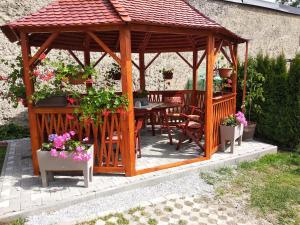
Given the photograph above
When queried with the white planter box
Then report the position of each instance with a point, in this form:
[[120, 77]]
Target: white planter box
[[48, 163], [231, 134]]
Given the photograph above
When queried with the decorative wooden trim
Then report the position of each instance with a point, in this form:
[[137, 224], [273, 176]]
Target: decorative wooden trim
[[76, 58], [209, 95], [155, 57], [226, 55], [184, 59], [44, 46], [201, 59], [100, 59], [105, 47], [126, 70]]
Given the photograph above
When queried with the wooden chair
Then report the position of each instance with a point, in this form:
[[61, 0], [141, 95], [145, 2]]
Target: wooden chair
[[192, 128], [137, 136]]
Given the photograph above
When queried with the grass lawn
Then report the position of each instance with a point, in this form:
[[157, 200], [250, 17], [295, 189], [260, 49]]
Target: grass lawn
[[2, 156], [269, 186]]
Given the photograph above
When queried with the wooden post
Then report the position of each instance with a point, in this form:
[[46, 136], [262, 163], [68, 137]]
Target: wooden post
[[87, 56], [245, 78], [209, 95], [142, 71], [195, 74], [234, 75], [34, 137], [126, 71]]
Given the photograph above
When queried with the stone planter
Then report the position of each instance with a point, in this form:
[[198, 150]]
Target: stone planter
[[231, 134], [48, 163], [144, 101], [249, 131], [54, 101]]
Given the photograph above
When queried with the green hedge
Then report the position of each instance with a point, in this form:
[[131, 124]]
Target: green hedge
[[279, 117]]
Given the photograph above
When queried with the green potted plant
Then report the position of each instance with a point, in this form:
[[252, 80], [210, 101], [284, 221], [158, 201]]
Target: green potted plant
[[224, 69], [142, 97], [114, 72], [254, 97], [15, 93], [100, 100], [66, 153], [167, 73], [232, 128]]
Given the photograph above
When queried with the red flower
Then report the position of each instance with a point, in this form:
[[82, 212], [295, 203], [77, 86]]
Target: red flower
[[105, 113], [71, 100], [36, 73], [48, 76], [89, 81], [3, 78], [70, 117], [42, 56]]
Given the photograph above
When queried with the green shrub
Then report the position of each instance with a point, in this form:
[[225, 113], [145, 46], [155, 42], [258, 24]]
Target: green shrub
[[13, 131]]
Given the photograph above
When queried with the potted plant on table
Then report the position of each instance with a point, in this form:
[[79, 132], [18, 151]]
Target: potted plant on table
[[167, 73], [232, 128], [15, 93], [142, 97], [65, 153]]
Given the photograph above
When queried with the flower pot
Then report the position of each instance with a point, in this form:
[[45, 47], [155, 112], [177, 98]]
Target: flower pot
[[225, 72], [168, 75], [228, 133], [116, 76], [144, 101], [48, 163], [77, 80], [54, 101], [249, 131]]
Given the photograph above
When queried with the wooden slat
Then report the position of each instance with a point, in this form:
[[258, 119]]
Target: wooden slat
[[184, 59], [155, 57]]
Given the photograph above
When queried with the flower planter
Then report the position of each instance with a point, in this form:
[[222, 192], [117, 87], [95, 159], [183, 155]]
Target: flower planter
[[225, 72], [168, 75], [231, 134], [144, 101], [54, 101], [249, 131], [48, 163]]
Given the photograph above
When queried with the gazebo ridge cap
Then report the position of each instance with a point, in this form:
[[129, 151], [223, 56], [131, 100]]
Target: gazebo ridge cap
[[82, 13]]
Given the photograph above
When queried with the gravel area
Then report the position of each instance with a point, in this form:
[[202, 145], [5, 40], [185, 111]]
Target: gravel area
[[191, 184]]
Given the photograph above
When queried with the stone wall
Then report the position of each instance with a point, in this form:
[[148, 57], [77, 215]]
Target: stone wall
[[269, 31]]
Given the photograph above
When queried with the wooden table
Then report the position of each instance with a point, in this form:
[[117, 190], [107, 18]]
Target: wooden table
[[151, 109]]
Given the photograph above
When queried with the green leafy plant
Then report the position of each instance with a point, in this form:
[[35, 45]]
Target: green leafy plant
[[14, 79], [141, 94], [13, 131], [222, 63], [98, 101], [235, 120], [114, 72]]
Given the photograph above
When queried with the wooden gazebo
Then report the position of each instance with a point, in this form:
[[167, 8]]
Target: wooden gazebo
[[125, 26]]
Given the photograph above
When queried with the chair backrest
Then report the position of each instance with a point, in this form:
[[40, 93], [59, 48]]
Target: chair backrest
[[176, 98]]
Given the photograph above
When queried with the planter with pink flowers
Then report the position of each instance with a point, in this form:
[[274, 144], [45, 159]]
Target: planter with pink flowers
[[65, 153]]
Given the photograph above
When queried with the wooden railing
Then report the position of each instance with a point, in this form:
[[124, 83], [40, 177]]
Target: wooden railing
[[223, 106], [105, 134]]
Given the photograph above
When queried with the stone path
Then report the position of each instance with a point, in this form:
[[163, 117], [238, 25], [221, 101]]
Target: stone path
[[21, 192], [186, 210]]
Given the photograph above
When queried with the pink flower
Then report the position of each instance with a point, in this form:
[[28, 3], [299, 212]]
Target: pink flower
[[36, 73], [89, 81], [86, 139], [72, 133], [3, 78], [71, 100], [53, 152], [229, 81], [42, 56], [66, 136], [77, 157], [86, 157], [79, 148], [48, 76], [70, 117], [63, 155], [59, 142]]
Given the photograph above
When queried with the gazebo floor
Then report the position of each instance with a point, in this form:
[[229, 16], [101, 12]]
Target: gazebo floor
[[157, 151]]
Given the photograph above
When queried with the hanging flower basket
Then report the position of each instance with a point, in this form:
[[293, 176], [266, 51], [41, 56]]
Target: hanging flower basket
[[168, 75], [116, 76], [225, 72]]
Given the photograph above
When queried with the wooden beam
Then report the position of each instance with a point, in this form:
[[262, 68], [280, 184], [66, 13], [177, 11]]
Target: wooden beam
[[38, 61], [126, 71], [136, 65], [234, 75], [201, 59], [87, 56], [105, 47], [142, 70], [209, 96], [76, 58], [232, 54], [218, 48], [184, 59], [145, 42], [100, 59], [29, 91], [245, 79], [44, 46], [155, 57], [195, 71], [226, 55]]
